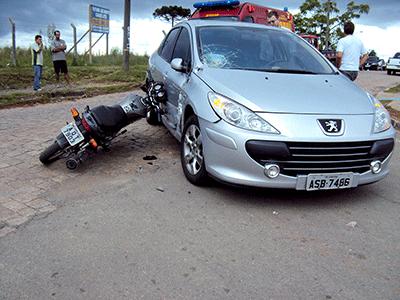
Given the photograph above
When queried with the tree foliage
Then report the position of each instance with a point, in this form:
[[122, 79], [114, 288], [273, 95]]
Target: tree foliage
[[324, 18], [171, 13]]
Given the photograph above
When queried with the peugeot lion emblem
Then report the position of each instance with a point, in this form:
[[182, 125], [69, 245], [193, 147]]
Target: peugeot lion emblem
[[331, 126]]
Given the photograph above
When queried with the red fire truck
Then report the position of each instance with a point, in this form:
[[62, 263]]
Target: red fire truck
[[236, 11]]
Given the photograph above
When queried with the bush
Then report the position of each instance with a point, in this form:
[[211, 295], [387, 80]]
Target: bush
[[24, 58]]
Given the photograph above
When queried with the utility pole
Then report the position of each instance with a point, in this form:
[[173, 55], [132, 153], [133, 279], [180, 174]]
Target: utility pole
[[106, 44], [14, 47], [125, 48], [75, 45], [327, 32]]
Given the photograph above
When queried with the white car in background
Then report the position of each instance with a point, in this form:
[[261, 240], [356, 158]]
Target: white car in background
[[393, 64]]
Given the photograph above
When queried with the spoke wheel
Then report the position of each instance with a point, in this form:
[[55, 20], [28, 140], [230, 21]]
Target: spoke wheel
[[192, 155]]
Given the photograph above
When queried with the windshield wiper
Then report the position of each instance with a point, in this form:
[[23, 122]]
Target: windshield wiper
[[290, 71]]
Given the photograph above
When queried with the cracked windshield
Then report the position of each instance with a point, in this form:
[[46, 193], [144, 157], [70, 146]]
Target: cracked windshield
[[258, 49]]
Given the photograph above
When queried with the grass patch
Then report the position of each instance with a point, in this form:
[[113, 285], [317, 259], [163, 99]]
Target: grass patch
[[22, 77], [17, 99], [394, 90]]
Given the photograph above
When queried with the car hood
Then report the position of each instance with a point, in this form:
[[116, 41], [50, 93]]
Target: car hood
[[289, 93]]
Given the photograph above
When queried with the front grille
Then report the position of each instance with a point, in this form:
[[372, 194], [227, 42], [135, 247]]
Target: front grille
[[302, 158]]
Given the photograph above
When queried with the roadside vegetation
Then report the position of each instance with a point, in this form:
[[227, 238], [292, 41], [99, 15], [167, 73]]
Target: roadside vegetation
[[104, 76], [394, 90]]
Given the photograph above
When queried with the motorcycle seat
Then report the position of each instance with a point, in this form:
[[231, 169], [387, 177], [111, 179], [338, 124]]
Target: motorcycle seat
[[110, 119]]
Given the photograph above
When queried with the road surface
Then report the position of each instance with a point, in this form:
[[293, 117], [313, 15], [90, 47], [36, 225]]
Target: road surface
[[126, 228]]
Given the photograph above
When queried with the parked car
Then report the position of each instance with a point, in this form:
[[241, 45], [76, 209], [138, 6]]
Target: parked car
[[374, 63], [393, 64], [259, 106]]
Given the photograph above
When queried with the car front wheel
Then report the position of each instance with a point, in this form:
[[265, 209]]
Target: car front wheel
[[192, 155]]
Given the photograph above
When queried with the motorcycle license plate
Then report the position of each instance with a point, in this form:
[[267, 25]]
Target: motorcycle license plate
[[72, 134], [329, 181]]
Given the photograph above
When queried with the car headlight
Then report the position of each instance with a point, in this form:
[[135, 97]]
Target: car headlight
[[382, 117], [238, 115]]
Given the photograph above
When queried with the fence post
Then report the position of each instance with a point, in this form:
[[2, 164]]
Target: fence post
[[14, 47], [75, 44]]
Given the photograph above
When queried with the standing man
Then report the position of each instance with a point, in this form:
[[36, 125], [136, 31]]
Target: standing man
[[37, 62], [58, 47], [351, 53]]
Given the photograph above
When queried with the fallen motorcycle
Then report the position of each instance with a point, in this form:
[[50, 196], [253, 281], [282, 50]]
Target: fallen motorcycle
[[98, 126]]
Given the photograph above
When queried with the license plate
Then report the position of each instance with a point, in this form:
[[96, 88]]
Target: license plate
[[329, 181], [72, 134]]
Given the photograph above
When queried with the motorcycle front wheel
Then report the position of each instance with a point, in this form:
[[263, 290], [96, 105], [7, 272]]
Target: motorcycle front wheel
[[51, 153]]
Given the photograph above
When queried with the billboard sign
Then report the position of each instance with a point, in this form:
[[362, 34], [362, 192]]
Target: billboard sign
[[99, 19]]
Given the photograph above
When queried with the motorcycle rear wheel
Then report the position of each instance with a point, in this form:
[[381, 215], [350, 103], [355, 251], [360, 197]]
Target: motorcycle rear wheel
[[50, 154]]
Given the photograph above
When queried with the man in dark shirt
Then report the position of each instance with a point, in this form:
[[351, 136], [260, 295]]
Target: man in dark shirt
[[58, 47]]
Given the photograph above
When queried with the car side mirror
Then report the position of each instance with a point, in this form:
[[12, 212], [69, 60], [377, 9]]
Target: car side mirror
[[177, 65]]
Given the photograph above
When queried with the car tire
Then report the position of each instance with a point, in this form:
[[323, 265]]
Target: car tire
[[389, 72], [192, 155]]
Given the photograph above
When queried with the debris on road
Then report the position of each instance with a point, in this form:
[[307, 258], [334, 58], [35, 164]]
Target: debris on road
[[352, 224], [275, 213], [150, 157], [160, 189]]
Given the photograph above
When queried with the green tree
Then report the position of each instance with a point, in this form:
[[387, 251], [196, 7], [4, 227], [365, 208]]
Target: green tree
[[372, 53], [324, 18], [171, 13]]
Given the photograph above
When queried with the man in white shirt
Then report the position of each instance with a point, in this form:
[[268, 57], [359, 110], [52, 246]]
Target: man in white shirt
[[351, 53]]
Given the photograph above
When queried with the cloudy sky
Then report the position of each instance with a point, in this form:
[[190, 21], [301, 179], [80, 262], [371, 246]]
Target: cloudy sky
[[379, 30]]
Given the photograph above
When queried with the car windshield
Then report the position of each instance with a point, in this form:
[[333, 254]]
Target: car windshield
[[373, 59], [268, 50]]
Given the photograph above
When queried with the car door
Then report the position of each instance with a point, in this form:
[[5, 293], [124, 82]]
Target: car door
[[177, 80]]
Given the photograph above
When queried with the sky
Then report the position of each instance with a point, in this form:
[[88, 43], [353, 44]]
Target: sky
[[379, 30]]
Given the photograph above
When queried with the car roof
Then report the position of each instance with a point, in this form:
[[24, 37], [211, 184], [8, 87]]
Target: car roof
[[207, 22]]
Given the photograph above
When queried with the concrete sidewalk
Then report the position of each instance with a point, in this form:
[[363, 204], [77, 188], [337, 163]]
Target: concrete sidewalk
[[377, 83]]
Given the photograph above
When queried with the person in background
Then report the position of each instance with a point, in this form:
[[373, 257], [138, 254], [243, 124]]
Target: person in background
[[58, 47], [273, 18], [37, 62], [351, 53]]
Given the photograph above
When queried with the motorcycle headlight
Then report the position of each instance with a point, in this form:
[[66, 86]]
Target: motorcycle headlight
[[382, 117], [238, 115]]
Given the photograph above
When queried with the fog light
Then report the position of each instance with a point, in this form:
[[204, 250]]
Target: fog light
[[272, 171], [376, 166]]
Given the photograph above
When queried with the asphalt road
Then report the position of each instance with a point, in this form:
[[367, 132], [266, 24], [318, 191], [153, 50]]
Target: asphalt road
[[124, 228]]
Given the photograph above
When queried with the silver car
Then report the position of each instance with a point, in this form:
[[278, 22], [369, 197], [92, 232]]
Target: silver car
[[258, 106]]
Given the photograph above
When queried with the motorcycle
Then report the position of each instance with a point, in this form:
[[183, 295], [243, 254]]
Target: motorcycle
[[98, 126]]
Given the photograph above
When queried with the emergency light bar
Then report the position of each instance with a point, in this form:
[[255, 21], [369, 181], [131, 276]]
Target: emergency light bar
[[221, 3]]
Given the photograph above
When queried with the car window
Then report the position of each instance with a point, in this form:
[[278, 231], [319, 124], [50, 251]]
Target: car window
[[397, 55], [182, 47], [169, 44], [237, 47]]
